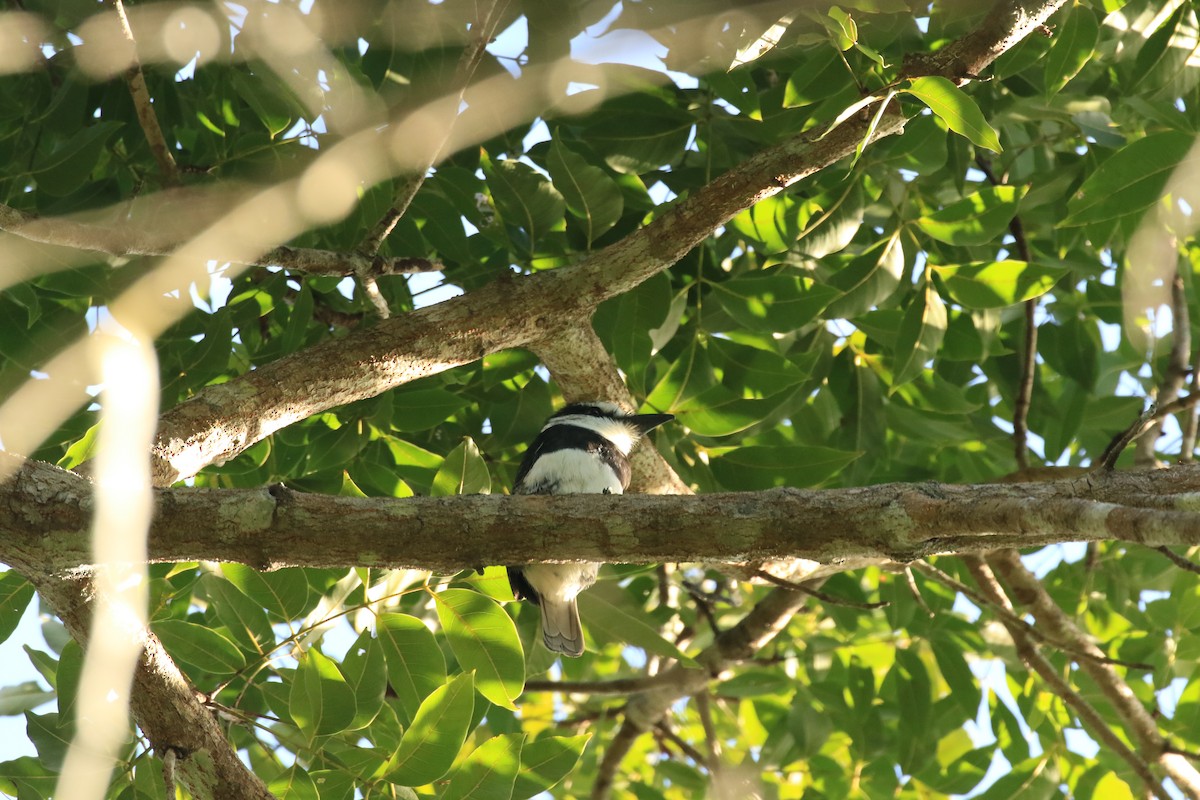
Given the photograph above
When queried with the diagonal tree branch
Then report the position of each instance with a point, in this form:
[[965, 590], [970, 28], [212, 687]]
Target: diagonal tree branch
[[1028, 652], [144, 105], [1138, 721], [221, 421]]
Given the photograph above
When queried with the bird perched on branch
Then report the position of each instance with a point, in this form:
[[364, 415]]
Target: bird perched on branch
[[583, 448]]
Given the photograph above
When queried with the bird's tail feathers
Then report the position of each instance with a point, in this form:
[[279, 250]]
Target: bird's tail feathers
[[560, 627]]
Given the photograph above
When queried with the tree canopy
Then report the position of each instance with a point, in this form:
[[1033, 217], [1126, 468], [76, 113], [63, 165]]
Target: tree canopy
[[289, 286]]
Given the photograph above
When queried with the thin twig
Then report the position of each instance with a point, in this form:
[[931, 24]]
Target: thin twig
[[613, 686], [483, 30], [144, 106], [824, 598], [618, 747], [916, 591], [1176, 372], [1179, 561], [711, 740], [1012, 620], [663, 729], [1023, 399], [1187, 448], [1145, 420], [1037, 663]]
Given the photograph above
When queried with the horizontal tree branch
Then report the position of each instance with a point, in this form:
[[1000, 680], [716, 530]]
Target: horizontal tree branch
[[50, 509]]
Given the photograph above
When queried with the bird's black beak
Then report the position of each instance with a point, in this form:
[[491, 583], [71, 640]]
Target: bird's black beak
[[648, 422]]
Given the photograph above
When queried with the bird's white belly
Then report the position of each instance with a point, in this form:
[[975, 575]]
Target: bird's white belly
[[561, 581], [574, 472]]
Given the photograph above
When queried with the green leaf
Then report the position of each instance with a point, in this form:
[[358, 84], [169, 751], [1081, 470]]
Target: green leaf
[[484, 639], [245, 619], [489, 772], [463, 472], [415, 665], [639, 132], [22, 697], [610, 612], [773, 223], [1074, 42], [51, 735], [294, 783], [867, 280], [995, 284], [545, 762], [321, 703], [365, 670], [757, 467], [80, 451], [625, 322], [422, 409], [776, 300], [199, 647], [718, 411], [438, 731], [70, 165], [920, 336], [956, 109], [963, 686], [914, 695], [752, 371], [284, 592], [524, 198], [15, 594], [590, 193], [1132, 179], [823, 76], [981, 218]]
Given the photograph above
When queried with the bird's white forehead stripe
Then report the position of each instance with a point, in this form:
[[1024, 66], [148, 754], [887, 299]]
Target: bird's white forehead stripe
[[623, 436]]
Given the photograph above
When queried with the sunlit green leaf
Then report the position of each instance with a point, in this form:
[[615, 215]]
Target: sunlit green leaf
[[415, 665], [438, 731], [980, 218], [321, 702], [1132, 178], [484, 639], [546, 761], [198, 646], [15, 594], [489, 772], [756, 467], [774, 300], [995, 284], [956, 109], [590, 194], [920, 335], [463, 472]]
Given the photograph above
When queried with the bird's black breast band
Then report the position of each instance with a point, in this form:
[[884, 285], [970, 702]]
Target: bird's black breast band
[[570, 437]]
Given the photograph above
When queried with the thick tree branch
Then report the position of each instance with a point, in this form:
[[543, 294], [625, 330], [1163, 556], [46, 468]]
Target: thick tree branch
[[221, 421], [49, 517], [1139, 722], [1034, 660], [1006, 24], [163, 703]]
